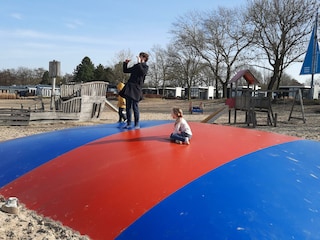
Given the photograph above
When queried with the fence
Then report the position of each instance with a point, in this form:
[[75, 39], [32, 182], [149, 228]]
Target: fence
[[14, 117], [88, 89], [72, 105]]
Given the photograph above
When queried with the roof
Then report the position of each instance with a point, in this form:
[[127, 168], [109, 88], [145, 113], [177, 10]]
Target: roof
[[247, 75]]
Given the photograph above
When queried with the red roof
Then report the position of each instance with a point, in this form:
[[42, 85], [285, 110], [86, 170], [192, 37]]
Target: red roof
[[247, 75]]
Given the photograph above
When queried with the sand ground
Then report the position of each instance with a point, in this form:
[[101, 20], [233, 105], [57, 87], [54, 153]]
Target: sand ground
[[159, 109], [28, 225]]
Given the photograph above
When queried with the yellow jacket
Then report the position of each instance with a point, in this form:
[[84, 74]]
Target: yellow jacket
[[121, 100]]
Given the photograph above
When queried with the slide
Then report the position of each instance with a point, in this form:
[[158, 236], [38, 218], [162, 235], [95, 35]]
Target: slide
[[111, 106], [214, 116]]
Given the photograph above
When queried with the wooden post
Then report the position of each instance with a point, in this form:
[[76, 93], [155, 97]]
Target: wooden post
[[54, 71], [298, 93]]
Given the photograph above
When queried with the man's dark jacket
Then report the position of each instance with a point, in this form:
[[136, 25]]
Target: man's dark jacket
[[133, 88]]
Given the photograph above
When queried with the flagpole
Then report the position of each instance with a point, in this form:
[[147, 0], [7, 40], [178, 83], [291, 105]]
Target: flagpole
[[314, 56]]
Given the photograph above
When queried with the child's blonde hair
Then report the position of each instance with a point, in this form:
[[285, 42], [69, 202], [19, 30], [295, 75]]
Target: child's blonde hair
[[178, 112]]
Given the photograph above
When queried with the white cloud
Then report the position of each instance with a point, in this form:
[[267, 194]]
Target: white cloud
[[16, 16], [25, 34], [73, 24]]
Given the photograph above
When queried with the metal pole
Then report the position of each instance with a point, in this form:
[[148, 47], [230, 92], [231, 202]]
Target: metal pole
[[314, 56]]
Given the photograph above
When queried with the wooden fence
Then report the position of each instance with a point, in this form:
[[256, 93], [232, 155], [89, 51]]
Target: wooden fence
[[94, 89], [14, 117], [69, 91], [72, 105], [87, 89]]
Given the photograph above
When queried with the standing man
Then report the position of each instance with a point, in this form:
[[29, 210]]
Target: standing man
[[133, 89]]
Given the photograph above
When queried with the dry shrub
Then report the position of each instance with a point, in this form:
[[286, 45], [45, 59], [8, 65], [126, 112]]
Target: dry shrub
[[8, 96]]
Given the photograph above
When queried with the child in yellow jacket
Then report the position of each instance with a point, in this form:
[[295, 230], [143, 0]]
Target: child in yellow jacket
[[121, 104]]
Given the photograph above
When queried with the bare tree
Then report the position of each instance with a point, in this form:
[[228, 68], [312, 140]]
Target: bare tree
[[21, 76], [26, 76], [227, 32], [7, 77], [186, 66], [280, 28], [206, 76], [118, 74], [159, 67], [188, 31], [218, 37]]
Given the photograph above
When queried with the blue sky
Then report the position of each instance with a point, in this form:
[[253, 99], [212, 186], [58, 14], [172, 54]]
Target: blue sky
[[38, 31]]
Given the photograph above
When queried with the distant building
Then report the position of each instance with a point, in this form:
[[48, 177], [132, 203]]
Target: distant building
[[30, 90], [21, 91], [46, 90], [204, 93], [179, 92]]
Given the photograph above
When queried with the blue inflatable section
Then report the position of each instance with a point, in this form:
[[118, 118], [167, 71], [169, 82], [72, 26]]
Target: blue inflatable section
[[21, 155], [273, 193]]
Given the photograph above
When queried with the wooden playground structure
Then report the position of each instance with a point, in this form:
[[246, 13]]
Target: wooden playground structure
[[253, 102], [77, 102]]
